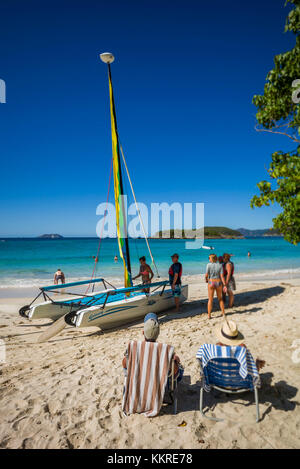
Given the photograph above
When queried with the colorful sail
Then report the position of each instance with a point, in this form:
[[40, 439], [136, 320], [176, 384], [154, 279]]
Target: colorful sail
[[118, 186]]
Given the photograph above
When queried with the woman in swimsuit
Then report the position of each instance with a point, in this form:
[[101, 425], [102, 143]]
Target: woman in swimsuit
[[228, 272], [145, 272], [216, 282]]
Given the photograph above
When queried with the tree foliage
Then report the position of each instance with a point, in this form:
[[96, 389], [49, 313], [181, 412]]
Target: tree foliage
[[278, 111]]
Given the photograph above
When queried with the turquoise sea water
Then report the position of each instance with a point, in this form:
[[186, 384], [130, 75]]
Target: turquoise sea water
[[32, 262]]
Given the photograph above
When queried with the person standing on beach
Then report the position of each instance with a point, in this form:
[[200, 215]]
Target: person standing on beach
[[216, 282], [59, 275], [228, 271], [145, 272], [175, 272], [221, 261]]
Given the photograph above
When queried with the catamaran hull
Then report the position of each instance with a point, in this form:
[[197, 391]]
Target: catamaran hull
[[127, 311], [50, 310]]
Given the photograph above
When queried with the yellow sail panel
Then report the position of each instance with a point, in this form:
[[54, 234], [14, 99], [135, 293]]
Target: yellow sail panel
[[118, 187]]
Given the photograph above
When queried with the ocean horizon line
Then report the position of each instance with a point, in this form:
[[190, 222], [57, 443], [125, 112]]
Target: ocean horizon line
[[38, 238]]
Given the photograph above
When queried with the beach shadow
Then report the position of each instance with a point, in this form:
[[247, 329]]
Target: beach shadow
[[257, 296], [199, 307], [245, 311], [187, 310], [277, 396], [187, 397]]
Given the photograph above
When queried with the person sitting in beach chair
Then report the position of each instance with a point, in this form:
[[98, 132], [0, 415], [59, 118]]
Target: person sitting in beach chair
[[228, 366], [151, 369]]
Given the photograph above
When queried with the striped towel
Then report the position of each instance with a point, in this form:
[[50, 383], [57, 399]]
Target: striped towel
[[208, 352], [148, 364]]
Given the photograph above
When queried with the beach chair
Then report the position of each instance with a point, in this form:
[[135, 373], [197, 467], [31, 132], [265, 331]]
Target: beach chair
[[231, 370], [172, 387], [146, 379]]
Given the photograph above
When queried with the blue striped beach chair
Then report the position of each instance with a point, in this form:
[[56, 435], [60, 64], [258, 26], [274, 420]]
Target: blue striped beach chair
[[230, 370]]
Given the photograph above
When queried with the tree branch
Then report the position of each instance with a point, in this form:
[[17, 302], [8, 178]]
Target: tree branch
[[277, 132]]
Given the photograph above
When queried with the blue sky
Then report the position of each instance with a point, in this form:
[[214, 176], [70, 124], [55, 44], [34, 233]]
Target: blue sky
[[184, 77]]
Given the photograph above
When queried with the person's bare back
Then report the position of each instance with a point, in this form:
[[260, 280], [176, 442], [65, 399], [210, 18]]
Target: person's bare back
[[59, 275]]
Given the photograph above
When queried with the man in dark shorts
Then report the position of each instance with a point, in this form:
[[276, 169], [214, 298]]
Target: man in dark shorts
[[175, 272], [59, 275]]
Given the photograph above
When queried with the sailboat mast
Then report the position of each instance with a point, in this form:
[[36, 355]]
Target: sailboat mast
[[120, 172], [121, 218]]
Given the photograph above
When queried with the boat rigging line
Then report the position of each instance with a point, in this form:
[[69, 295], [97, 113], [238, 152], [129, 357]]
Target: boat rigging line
[[138, 211]]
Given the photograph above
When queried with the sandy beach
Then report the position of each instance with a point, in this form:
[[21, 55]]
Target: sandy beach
[[67, 393]]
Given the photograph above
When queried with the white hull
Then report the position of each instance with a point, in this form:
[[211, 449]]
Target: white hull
[[114, 314], [122, 312], [53, 311]]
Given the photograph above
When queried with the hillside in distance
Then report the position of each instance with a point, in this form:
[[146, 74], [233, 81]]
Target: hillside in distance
[[210, 232], [259, 233]]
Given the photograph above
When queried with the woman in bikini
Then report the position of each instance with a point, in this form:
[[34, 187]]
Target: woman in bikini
[[228, 272], [145, 272], [216, 282]]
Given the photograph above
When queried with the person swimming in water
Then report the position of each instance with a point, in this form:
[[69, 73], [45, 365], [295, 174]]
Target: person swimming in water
[[59, 275], [145, 272], [116, 258]]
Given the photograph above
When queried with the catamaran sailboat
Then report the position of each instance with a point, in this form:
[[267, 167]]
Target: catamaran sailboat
[[110, 307]]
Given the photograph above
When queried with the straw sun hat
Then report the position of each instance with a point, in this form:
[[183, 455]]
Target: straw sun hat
[[228, 333]]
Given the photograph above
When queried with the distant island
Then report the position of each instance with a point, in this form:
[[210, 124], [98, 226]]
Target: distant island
[[50, 236], [210, 232], [268, 232], [217, 232]]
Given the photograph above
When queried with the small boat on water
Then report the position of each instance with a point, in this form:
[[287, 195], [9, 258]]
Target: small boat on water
[[110, 307]]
